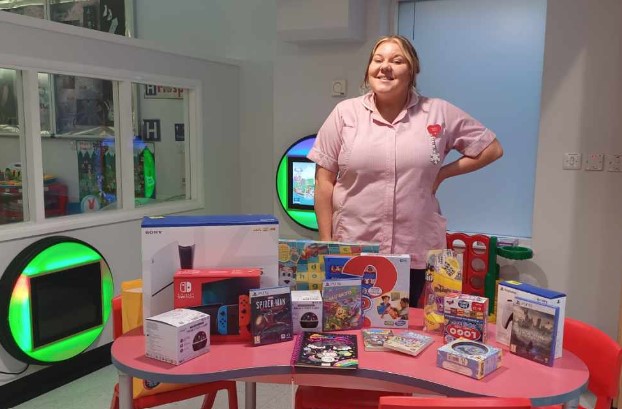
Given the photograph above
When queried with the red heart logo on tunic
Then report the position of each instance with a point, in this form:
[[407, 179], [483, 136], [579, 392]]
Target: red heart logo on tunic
[[434, 130]]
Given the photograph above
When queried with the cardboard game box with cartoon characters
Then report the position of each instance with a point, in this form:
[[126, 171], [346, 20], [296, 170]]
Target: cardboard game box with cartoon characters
[[301, 262], [385, 283]]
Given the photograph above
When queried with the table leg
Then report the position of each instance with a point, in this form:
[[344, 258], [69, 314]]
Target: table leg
[[571, 404], [125, 391], [250, 395]]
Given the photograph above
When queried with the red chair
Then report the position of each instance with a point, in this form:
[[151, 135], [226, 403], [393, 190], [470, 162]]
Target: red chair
[[317, 397], [162, 398], [601, 354], [416, 402]]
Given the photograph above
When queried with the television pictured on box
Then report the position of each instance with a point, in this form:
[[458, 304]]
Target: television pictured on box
[[65, 303], [300, 183]]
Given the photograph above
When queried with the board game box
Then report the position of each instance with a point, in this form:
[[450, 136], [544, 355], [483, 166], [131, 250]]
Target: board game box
[[301, 262]]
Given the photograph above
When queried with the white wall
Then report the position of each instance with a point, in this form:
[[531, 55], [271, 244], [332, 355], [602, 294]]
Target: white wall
[[120, 243], [240, 29], [577, 215]]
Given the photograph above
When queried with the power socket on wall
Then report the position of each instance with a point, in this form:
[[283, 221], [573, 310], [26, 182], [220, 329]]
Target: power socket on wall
[[594, 161], [614, 163]]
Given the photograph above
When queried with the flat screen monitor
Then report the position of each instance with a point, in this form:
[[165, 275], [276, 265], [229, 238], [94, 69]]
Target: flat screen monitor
[[65, 302], [301, 183]]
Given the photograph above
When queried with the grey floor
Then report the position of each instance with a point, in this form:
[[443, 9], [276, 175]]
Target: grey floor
[[95, 390]]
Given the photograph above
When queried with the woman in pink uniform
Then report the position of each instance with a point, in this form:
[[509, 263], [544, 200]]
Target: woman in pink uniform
[[380, 160]]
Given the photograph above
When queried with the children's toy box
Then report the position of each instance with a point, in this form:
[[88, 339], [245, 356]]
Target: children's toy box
[[222, 294], [466, 316], [506, 295], [301, 262], [307, 310], [170, 243], [443, 277], [177, 336], [470, 358], [385, 283]]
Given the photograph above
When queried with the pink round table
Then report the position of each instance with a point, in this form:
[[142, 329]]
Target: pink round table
[[517, 377]]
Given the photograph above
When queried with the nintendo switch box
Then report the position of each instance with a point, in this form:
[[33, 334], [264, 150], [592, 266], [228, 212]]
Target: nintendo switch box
[[301, 262], [385, 285], [507, 293], [171, 243], [222, 294]]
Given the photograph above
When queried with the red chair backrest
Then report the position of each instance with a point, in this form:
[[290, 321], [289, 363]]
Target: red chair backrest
[[601, 354], [417, 402], [117, 324]]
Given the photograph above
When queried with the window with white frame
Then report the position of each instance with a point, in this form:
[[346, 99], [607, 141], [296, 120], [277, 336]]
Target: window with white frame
[[80, 119], [111, 16]]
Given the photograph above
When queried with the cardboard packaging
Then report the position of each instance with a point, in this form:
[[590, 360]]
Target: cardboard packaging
[[470, 358], [385, 283], [222, 294], [466, 316], [306, 310], [170, 243], [443, 277], [301, 262], [177, 336], [507, 293]]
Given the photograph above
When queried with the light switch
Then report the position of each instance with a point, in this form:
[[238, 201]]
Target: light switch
[[572, 161], [339, 88]]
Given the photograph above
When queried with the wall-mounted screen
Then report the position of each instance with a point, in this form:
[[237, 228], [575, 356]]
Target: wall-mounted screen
[[65, 302], [55, 300], [295, 183], [301, 182]]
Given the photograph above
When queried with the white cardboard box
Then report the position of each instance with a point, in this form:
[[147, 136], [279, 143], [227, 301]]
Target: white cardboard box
[[170, 243], [507, 293], [177, 336], [307, 310]]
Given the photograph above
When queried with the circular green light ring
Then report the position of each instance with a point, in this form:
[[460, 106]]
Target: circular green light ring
[[304, 218], [54, 258]]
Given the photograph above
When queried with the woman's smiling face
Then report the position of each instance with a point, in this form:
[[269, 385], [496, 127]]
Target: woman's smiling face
[[389, 71]]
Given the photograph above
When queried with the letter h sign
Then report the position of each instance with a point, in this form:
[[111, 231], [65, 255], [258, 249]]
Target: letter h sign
[[151, 130]]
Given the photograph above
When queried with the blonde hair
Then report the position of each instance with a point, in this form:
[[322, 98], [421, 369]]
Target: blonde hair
[[409, 53]]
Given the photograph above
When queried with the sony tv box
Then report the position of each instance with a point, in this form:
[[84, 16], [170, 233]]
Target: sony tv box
[[171, 243]]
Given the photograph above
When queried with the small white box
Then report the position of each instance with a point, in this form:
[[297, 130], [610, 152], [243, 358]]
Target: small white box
[[177, 336], [507, 293], [307, 310], [171, 243]]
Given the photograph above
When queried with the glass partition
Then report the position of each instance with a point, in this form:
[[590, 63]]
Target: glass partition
[[32, 8], [160, 130], [79, 156], [11, 182], [102, 15]]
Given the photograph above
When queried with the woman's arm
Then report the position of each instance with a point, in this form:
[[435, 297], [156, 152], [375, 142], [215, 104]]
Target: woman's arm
[[324, 184], [465, 164]]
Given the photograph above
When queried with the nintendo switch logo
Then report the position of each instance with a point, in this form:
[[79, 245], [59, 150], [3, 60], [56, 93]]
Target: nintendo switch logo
[[185, 287]]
